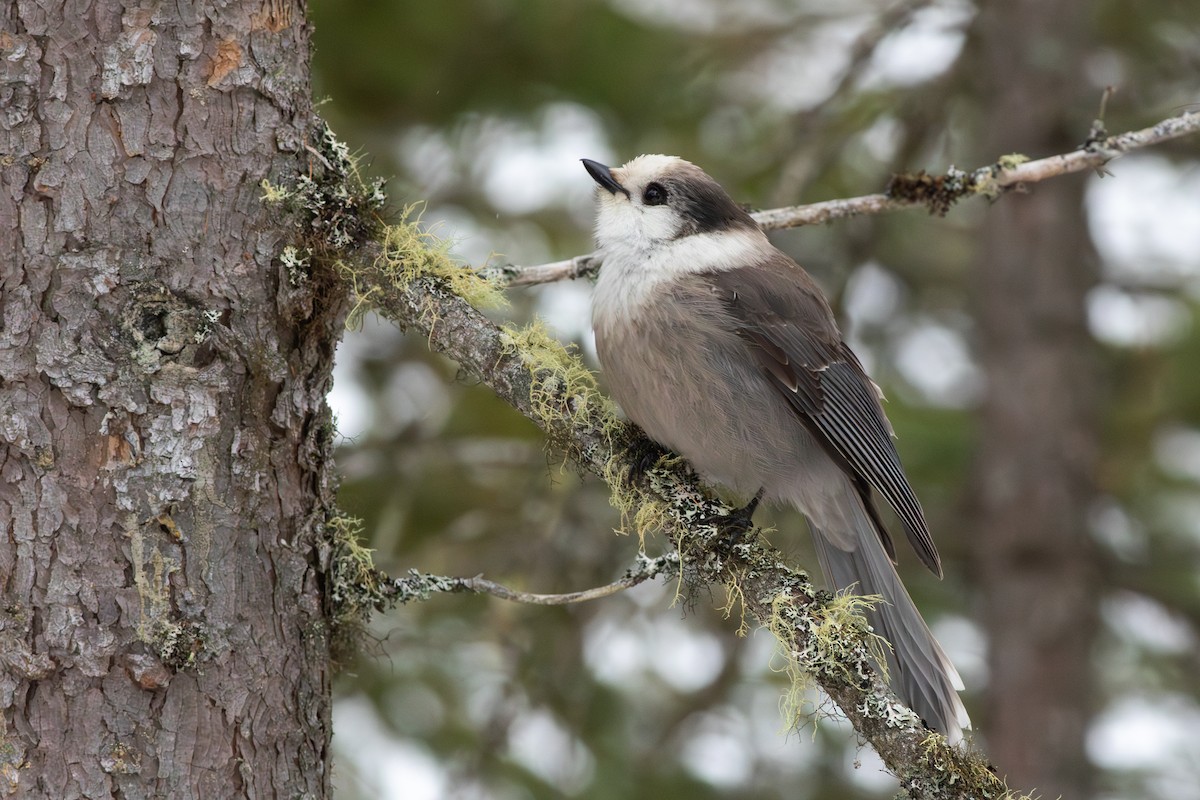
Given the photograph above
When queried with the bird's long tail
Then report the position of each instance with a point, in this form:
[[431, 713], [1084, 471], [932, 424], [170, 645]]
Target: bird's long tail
[[918, 671]]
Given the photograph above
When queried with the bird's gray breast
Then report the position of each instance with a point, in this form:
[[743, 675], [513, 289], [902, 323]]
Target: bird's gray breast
[[680, 371]]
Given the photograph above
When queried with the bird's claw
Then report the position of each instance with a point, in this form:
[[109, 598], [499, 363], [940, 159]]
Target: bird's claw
[[737, 523], [644, 454]]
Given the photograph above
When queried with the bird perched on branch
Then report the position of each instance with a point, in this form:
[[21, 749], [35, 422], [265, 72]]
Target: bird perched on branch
[[724, 350]]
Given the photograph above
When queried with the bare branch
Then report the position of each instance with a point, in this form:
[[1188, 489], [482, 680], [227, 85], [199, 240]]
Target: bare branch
[[420, 586], [935, 193], [570, 269], [827, 211], [1096, 154]]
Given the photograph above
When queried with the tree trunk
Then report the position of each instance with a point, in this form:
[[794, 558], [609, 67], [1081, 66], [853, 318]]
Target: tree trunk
[[164, 437], [1035, 471]]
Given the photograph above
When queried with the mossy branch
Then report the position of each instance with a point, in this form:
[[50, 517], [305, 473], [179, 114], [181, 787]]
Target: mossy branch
[[406, 276], [542, 380]]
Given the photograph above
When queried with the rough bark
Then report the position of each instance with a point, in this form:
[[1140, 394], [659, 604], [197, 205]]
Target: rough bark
[[163, 428], [1034, 475]]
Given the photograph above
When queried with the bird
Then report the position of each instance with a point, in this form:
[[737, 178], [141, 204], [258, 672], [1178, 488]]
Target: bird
[[724, 350]]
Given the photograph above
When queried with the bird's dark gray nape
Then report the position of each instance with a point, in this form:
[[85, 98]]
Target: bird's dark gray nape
[[706, 206], [603, 176]]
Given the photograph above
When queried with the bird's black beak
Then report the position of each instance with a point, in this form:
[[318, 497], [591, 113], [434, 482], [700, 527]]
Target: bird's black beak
[[603, 176]]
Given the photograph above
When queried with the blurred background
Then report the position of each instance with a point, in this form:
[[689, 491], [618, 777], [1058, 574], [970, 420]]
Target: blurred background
[[1041, 356]]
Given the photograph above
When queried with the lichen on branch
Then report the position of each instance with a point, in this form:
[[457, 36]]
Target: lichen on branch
[[405, 277]]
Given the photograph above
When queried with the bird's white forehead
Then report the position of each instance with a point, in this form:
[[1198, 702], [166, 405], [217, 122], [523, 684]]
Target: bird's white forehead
[[645, 168]]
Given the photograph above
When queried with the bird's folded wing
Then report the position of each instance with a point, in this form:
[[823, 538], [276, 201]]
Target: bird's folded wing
[[791, 333]]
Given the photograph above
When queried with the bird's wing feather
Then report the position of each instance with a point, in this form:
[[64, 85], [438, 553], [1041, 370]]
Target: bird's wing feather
[[792, 335]]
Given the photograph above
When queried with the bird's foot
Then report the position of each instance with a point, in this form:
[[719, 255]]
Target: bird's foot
[[644, 454], [737, 523]]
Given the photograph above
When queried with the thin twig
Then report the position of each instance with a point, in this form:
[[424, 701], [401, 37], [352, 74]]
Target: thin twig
[[481, 585], [774, 219], [989, 181], [420, 586], [570, 269], [1098, 154]]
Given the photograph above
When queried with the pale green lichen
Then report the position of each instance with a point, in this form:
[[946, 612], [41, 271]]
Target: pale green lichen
[[44, 457], [984, 181], [877, 705], [335, 207], [295, 261], [207, 323], [273, 194], [954, 769], [562, 389], [650, 513], [564, 393], [121, 759], [1011, 161], [337, 212], [735, 598], [641, 512], [181, 644], [646, 512], [411, 251], [831, 639], [356, 587]]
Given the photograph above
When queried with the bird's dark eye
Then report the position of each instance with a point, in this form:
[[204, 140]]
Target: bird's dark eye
[[655, 194]]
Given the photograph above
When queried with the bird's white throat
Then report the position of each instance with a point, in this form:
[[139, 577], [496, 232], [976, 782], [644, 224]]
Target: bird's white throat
[[634, 269]]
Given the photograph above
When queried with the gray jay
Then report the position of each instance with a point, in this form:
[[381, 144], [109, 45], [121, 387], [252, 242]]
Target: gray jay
[[725, 351]]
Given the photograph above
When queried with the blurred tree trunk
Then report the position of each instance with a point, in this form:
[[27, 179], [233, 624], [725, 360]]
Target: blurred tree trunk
[[163, 429], [1034, 474]]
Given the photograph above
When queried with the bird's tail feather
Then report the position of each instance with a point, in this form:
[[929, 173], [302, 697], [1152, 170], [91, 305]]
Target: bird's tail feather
[[918, 670]]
